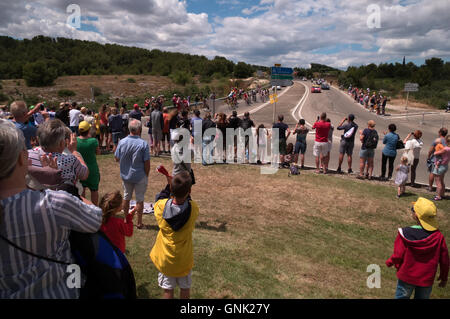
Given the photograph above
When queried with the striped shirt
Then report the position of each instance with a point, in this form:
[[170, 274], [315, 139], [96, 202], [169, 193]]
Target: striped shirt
[[70, 166], [40, 222]]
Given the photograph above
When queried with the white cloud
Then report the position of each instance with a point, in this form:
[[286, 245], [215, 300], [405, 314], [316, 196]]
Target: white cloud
[[291, 32]]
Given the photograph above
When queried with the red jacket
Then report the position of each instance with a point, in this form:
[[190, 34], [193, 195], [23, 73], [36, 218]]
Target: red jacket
[[417, 261], [116, 229]]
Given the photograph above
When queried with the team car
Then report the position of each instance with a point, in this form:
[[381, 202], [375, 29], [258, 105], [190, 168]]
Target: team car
[[316, 89], [325, 86]]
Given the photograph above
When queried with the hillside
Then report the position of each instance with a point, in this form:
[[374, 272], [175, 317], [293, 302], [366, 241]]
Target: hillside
[[64, 57]]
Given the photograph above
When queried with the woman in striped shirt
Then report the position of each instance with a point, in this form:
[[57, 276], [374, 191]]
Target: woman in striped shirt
[[35, 228]]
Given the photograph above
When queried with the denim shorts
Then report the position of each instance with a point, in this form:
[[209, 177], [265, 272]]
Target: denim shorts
[[300, 148], [367, 153], [441, 170], [116, 136], [405, 290]]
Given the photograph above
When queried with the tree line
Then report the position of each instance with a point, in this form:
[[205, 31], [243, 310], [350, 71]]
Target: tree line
[[42, 59]]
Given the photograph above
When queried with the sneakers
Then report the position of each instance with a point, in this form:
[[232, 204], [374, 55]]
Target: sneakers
[[350, 171], [339, 171]]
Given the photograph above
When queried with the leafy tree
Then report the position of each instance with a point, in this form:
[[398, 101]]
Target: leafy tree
[[39, 74], [66, 93], [181, 77], [243, 70]]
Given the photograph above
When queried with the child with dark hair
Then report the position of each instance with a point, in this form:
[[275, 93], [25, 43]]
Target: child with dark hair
[[289, 157], [114, 227], [172, 254]]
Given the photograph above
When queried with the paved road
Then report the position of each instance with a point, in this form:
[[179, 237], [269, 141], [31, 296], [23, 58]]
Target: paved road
[[297, 102], [338, 105]]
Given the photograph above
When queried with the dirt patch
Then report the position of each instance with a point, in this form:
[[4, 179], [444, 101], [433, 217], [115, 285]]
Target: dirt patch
[[399, 105], [120, 86]]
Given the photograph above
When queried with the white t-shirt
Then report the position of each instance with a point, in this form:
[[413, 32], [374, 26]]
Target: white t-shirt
[[414, 146], [74, 117]]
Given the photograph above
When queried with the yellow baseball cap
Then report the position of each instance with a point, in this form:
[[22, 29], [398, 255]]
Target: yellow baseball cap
[[426, 212], [84, 127]]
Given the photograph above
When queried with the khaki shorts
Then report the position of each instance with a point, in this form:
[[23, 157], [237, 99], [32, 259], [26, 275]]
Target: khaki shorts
[[171, 283], [321, 148], [139, 189]]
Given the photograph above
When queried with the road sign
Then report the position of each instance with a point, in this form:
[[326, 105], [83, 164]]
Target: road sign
[[411, 87], [282, 71], [282, 77], [273, 98]]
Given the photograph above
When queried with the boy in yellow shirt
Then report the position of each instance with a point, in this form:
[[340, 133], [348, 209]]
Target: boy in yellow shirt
[[173, 253]]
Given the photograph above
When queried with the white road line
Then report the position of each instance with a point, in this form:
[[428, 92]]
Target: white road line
[[265, 104], [400, 116], [301, 104]]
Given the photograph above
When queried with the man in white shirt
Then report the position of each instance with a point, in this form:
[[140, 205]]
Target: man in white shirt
[[74, 116]]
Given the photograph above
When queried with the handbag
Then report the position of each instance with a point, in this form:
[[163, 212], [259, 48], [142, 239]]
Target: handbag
[[400, 145]]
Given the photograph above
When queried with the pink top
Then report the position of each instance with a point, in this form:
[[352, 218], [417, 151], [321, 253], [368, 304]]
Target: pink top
[[446, 156]]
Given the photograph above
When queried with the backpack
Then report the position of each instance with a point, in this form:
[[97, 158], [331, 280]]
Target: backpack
[[108, 273], [372, 140], [294, 170]]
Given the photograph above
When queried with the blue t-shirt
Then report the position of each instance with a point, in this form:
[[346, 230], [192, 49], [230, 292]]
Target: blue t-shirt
[[136, 115], [132, 152], [115, 123], [282, 129], [390, 140], [28, 131]]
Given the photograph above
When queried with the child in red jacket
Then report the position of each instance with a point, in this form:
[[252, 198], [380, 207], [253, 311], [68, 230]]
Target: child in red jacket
[[418, 250], [115, 228]]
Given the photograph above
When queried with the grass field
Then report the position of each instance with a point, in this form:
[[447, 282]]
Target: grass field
[[274, 236]]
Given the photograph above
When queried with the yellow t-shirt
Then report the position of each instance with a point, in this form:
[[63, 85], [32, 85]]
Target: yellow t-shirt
[[173, 253]]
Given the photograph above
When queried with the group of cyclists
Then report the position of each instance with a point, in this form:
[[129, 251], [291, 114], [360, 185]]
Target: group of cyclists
[[249, 97]]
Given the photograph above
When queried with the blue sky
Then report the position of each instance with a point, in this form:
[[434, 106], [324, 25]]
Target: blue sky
[[264, 32]]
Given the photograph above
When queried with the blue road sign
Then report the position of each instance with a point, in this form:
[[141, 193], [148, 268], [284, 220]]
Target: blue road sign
[[282, 71]]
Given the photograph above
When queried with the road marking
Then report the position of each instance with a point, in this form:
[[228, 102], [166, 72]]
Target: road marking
[[265, 104], [400, 116], [300, 104]]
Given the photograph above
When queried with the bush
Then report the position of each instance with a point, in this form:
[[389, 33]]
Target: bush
[[31, 99], [97, 91], [39, 74], [103, 98], [3, 97], [181, 78], [66, 93], [131, 80], [205, 79]]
